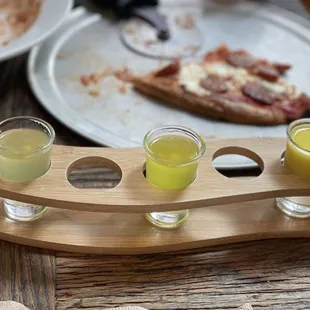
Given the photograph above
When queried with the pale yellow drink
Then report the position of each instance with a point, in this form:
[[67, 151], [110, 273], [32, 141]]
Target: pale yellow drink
[[23, 155]]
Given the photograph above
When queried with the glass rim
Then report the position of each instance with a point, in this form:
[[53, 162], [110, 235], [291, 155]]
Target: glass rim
[[51, 136], [293, 125], [188, 131]]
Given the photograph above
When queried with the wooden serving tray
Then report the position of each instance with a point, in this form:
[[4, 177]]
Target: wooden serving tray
[[223, 210], [135, 194], [123, 233]]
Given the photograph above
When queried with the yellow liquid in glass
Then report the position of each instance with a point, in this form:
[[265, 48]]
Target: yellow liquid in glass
[[296, 159], [170, 169], [301, 135], [21, 159]]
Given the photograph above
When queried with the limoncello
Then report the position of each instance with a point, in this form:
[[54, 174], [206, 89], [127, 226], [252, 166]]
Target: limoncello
[[297, 160], [297, 155], [24, 154], [170, 164], [172, 155]]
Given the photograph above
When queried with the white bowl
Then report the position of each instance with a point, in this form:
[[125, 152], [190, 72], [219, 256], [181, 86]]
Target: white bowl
[[52, 14]]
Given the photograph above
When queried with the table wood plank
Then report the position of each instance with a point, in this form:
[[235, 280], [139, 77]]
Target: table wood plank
[[267, 274], [27, 275]]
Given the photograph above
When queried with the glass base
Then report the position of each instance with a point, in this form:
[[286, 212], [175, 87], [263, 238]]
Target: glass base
[[298, 207], [171, 219], [22, 212]]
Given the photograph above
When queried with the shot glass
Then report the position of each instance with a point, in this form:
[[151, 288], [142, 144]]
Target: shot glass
[[172, 157], [25, 155], [297, 160]]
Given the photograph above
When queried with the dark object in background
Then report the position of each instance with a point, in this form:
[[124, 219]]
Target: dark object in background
[[307, 113], [145, 9], [124, 8]]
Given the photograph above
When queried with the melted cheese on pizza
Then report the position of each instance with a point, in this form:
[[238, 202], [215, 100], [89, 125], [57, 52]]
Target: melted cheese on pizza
[[224, 70], [190, 77]]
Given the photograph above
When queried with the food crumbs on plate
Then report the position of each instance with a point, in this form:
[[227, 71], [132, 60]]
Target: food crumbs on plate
[[84, 80], [60, 56], [93, 78], [124, 75], [94, 93], [122, 89], [21, 19], [17, 18]]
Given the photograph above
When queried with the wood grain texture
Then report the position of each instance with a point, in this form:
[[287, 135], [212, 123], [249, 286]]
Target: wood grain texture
[[135, 194], [27, 275], [245, 307], [267, 274], [127, 308], [12, 305], [104, 233]]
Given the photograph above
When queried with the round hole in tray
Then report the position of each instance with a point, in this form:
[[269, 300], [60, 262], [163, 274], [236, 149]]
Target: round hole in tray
[[94, 172], [235, 154]]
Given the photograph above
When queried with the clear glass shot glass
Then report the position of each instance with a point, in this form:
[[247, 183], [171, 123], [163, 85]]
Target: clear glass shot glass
[[25, 155], [172, 157], [297, 160]]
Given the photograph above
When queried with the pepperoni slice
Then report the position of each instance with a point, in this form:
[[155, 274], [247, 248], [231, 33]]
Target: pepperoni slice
[[169, 70], [241, 60], [296, 108], [260, 93], [281, 68], [267, 72], [214, 84]]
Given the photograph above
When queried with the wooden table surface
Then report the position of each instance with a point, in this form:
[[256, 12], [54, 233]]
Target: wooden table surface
[[272, 274]]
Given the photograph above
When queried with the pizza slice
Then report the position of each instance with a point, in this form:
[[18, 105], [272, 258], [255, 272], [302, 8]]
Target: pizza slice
[[230, 85]]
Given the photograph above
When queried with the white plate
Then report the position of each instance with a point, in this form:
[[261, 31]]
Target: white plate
[[88, 43], [52, 14]]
